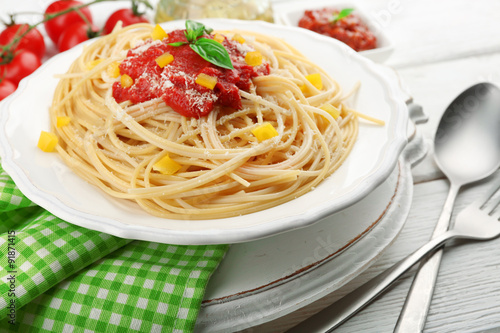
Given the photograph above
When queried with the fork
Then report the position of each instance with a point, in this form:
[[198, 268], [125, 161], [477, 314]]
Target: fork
[[478, 221]]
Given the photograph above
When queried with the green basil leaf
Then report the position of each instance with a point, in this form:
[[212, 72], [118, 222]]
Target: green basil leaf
[[177, 44], [194, 30], [189, 35], [212, 52], [343, 13], [193, 25]]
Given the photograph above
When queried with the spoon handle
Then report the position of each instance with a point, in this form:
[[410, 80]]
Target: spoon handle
[[416, 307]]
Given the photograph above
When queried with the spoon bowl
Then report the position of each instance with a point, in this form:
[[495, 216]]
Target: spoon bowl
[[467, 141]]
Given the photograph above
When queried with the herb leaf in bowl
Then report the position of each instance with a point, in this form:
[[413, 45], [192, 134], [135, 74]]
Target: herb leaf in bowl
[[342, 14]]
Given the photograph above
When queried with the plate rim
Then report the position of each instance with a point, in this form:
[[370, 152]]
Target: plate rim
[[214, 236]]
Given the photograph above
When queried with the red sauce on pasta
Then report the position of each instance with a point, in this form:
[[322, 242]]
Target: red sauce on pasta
[[175, 83], [350, 30]]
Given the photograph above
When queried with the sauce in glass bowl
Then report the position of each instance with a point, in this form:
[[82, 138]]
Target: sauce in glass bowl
[[350, 30]]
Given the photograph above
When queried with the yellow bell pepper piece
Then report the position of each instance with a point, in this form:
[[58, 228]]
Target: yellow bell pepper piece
[[238, 38], [62, 121], [206, 81], [253, 58], [219, 38], [315, 80], [165, 59], [91, 64], [47, 141], [126, 81], [332, 110], [166, 166], [264, 132], [113, 69], [158, 33]]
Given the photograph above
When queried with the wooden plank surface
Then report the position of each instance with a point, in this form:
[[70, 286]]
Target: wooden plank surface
[[428, 31]]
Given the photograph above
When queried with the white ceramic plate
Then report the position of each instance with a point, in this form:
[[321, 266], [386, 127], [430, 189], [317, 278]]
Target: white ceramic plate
[[46, 180], [290, 12]]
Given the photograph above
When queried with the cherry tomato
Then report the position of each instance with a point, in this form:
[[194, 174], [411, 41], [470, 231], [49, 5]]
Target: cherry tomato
[[6, 88], [22, 64], [75, 34], [32, 41], [56, 26], [127, 16]]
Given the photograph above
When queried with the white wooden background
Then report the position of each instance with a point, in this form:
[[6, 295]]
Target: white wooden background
[[441, 48]]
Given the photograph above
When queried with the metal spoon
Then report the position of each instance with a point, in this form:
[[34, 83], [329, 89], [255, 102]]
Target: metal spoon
[[467, 149]]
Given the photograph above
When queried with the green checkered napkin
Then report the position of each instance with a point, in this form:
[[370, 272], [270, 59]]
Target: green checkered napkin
[[58, 277]]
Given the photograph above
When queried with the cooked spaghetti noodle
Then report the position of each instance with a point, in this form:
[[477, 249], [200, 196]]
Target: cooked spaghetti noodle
[[224, 170]]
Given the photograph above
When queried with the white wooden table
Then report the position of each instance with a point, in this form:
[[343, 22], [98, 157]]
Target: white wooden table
[[441, 48]]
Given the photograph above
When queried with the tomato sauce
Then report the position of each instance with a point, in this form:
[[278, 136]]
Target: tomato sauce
[[350, 30], [175, 83]]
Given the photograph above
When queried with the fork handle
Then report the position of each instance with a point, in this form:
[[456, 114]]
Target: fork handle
[[416, 307], [331, 317]]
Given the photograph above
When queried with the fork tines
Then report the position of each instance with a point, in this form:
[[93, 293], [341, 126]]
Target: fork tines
[[491, 198]]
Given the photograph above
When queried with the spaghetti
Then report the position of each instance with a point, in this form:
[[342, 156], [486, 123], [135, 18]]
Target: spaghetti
[[288, 135]]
